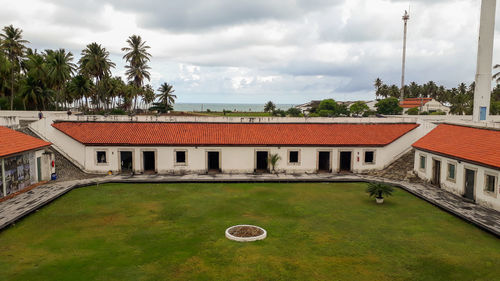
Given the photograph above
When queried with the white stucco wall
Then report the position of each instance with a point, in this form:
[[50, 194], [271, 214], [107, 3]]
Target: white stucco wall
[[233, 159], [240, 159], [457, 186], [67, 146]]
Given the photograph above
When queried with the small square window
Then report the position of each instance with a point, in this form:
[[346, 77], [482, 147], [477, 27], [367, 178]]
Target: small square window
[[451, 171], [490, 183], [101, 157], [422, 162], [180, 156], [294, 157], [369, 157]]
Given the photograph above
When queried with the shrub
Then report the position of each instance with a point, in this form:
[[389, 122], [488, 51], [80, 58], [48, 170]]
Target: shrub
[[439, 112], [369, 113], [279, 112], [379, 190], [413, 111], [389, 106], [273, 160], [294, 112], [118, 111]]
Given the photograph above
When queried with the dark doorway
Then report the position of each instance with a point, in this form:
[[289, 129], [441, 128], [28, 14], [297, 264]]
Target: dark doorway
[[262, 161], [324, 162], [345, 161], [149, 161], [39, 168], [213, 161], [470, 179], [436, 172], [126, 161]]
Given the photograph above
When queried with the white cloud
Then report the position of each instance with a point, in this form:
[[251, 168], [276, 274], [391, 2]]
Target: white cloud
[[253, 51]]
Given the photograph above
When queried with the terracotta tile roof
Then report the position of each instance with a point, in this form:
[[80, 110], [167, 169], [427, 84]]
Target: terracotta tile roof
[[12, 142], [481, 146], [189, 134], [414, 102]]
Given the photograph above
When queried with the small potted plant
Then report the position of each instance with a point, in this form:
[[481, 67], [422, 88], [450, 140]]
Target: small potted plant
[[379, 190], [273, 160]]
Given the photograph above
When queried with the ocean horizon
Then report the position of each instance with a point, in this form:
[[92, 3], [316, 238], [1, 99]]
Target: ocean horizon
[[240, 107]]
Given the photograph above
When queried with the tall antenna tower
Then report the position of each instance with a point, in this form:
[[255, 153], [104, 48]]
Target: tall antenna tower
[[406, 17]]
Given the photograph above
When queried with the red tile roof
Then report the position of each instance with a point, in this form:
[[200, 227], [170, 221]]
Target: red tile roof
[[12, 142], [476, 145], [414, 102], [190, 134]]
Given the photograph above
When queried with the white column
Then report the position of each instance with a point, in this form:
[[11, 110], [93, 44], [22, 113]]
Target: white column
[[4, 182], [482, 92]]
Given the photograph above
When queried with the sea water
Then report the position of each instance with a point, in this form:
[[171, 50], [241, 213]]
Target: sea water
[[240, 107]]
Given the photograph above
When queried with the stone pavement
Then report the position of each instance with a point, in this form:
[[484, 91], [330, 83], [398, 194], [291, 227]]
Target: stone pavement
[[16, 208]]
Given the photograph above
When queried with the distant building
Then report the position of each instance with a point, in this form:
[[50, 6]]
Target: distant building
[[23, 161], [424, 105], [306, 107], [371, 105], [463, 160]]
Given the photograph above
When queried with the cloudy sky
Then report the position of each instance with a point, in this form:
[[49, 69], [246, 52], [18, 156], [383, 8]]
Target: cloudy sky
[[288, 51]]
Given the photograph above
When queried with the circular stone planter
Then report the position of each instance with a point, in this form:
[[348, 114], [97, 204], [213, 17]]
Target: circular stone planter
[[245, 233]]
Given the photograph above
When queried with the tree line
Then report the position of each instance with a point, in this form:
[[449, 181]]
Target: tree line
[[460, 99], [53, 80]]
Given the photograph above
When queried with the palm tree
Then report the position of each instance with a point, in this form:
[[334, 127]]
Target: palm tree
[[80, 87], [14, 45], [166, 96], [273, 160], [378, 83], [95, 63], [136, 74], [137, 57], [31, 90], [148, 95], [496, 76], [379, 190], [269, 107], [461, 99], [59, 71], [5, 68]]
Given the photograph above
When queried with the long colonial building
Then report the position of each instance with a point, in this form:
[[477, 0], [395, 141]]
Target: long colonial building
[[463, 160], [162, 147]]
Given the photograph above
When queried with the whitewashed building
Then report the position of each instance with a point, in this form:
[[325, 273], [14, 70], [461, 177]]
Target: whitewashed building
[[424, 105], [24, 161], [463, 160], [169, 147]]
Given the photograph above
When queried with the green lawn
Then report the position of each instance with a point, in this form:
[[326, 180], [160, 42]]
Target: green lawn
[[176, 232]]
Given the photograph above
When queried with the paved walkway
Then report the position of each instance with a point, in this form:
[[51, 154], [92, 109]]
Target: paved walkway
[[14, 209]]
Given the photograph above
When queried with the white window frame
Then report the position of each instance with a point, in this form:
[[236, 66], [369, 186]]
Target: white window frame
[[185, 157], [96, 160], [420, 162], [298, 157], [374, 157], [495, 184], [454, 179]]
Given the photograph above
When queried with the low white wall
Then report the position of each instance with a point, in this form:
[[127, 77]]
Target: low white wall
[[32, 114], [457, 186], [67, 146], [9, 121]]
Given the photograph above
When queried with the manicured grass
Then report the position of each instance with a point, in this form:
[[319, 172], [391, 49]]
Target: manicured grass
[[176, 232]]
